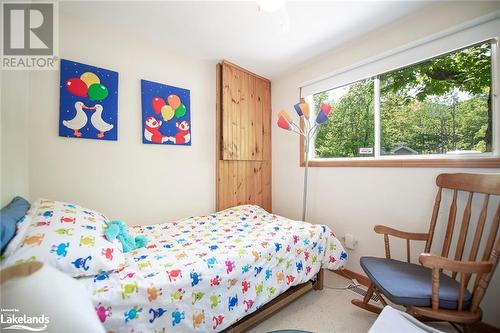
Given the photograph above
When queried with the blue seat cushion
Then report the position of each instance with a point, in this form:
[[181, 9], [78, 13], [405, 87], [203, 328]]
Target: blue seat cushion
[[410, 284], [9, 216]]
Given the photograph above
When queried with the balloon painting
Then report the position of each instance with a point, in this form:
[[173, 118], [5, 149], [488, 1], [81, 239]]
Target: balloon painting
[[166, 114], [88, 106]]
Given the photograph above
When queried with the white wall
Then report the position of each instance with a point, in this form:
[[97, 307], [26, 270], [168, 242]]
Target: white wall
[[14, 139], [123, 179], [353, 200]]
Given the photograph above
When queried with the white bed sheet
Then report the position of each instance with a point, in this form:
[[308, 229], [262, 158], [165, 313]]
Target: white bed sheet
[[202, 274]]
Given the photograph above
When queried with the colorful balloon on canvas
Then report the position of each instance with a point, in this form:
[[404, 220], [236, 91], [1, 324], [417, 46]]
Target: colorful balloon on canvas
[[166, 117], [88, 105]]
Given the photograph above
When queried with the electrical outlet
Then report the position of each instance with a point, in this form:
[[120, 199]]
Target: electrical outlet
[[350, 241]]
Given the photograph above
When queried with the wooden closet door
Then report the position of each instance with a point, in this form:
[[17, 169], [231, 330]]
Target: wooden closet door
[[245, 105], [243, 138]]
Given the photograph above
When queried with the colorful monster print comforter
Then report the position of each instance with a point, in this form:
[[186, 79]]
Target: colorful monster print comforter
[[202, 274]]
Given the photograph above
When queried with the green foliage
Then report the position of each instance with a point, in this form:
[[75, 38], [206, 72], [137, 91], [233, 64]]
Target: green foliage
[[437, 106], [350, 126], [468, 69], [431, 127]]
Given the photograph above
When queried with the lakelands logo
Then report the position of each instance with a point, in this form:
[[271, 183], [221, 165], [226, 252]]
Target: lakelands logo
[[11, 319], [29, 31]]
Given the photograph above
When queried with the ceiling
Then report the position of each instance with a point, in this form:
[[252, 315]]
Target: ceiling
[[269, 44]]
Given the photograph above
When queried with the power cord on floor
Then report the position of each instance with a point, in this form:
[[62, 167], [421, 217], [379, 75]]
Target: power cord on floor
[[355, 287], [353, 282]]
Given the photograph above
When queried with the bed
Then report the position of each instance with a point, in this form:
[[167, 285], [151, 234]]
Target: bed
[[206, 273], [224, 272]]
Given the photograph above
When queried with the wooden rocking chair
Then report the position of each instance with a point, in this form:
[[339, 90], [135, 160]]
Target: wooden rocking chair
[[425, 290]]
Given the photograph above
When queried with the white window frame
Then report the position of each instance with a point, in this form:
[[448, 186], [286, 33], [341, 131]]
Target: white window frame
[[483, 25]]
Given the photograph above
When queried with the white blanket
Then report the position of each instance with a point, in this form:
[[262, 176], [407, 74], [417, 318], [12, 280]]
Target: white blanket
[[205, 273]]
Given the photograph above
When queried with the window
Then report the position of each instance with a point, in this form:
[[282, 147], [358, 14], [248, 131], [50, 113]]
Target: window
[[352, 128], [441, 107]]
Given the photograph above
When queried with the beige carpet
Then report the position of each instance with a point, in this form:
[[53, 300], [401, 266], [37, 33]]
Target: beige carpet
[[326, 311]]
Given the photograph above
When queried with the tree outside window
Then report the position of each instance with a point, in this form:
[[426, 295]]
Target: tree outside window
[[439, 106]]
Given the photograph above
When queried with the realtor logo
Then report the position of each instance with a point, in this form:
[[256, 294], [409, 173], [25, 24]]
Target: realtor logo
[[28, 35], [12, 319]]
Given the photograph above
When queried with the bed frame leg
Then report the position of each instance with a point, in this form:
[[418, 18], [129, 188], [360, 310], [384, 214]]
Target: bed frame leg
[[320, 279]]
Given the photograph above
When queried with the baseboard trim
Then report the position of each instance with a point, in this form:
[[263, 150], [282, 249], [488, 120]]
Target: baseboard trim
[[480, 327]]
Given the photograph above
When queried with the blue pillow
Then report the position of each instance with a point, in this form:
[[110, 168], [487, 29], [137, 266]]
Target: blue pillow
[[9, 216]]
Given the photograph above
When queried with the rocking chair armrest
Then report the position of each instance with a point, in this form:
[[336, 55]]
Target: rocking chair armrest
[[436, 262], [382, 229]]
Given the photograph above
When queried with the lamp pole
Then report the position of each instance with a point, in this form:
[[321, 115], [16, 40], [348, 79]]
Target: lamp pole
[[307, 131], [308, 134], [306, 173]]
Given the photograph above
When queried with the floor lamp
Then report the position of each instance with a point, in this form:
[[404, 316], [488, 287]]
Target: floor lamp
[[307, 131]]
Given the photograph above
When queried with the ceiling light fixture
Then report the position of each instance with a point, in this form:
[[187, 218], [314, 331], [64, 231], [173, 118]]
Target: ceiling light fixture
[[270, 5]]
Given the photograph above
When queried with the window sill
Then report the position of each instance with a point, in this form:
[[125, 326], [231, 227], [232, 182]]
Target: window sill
[[486, 162]]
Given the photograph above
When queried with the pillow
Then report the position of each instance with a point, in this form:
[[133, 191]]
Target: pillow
[[9, 216], [38, 291], [68, 237], [22, 226]]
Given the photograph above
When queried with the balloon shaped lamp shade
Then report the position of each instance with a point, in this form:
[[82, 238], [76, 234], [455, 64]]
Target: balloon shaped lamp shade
[[326, 108], [284, 121], [298, 109], [302, 109], [284, 124], [323, 113], [307, 132]]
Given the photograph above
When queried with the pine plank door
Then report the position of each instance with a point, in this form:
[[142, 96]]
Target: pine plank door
[[243, 138]]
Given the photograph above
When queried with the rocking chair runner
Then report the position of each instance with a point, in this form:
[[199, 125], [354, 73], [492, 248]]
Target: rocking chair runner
[[424, 289]]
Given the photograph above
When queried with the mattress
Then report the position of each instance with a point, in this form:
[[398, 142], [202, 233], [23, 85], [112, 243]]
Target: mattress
[[202, 274]]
